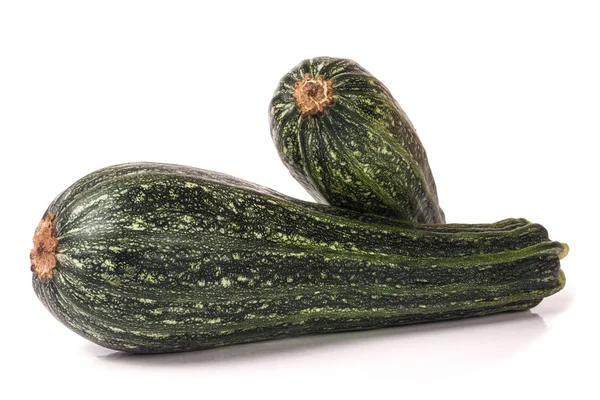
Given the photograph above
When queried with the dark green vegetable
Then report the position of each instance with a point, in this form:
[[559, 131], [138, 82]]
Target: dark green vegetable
[[347, 141], [151, 258]]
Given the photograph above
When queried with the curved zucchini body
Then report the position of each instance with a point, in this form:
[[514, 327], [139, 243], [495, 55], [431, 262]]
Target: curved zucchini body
[[154, 258], [342, 135]]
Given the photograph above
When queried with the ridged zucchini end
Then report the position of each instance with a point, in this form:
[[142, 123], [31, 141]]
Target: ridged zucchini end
[[562, 279], [564, 252]]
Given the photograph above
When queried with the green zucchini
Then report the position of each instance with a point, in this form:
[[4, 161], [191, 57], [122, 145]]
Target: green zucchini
[[151, 258], [345, 138]]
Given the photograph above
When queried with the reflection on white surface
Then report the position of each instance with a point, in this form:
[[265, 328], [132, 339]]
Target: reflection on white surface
[[453, 347]]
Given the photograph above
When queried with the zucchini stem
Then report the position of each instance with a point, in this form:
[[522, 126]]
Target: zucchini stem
[[313, 95], [43, 254]]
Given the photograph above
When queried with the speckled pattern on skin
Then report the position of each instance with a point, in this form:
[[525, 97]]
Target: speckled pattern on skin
[[159, 258], [362, 152]]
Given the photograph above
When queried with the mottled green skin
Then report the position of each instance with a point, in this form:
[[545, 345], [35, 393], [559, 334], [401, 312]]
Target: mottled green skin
[[363, 153], [160, 258]]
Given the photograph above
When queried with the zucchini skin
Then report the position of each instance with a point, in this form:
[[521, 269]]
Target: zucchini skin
[[362, 152], [155, 258]]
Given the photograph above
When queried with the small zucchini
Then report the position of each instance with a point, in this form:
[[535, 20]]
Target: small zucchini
[[151, 258], [345, 138]]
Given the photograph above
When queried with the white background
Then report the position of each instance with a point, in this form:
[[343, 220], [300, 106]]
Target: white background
[[505, 97]]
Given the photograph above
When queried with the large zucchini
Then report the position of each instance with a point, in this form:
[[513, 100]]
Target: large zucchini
[[157, 258], [347, 141]]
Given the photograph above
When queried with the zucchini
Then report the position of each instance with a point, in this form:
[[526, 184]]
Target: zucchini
[[151, 258], [345, 138]]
